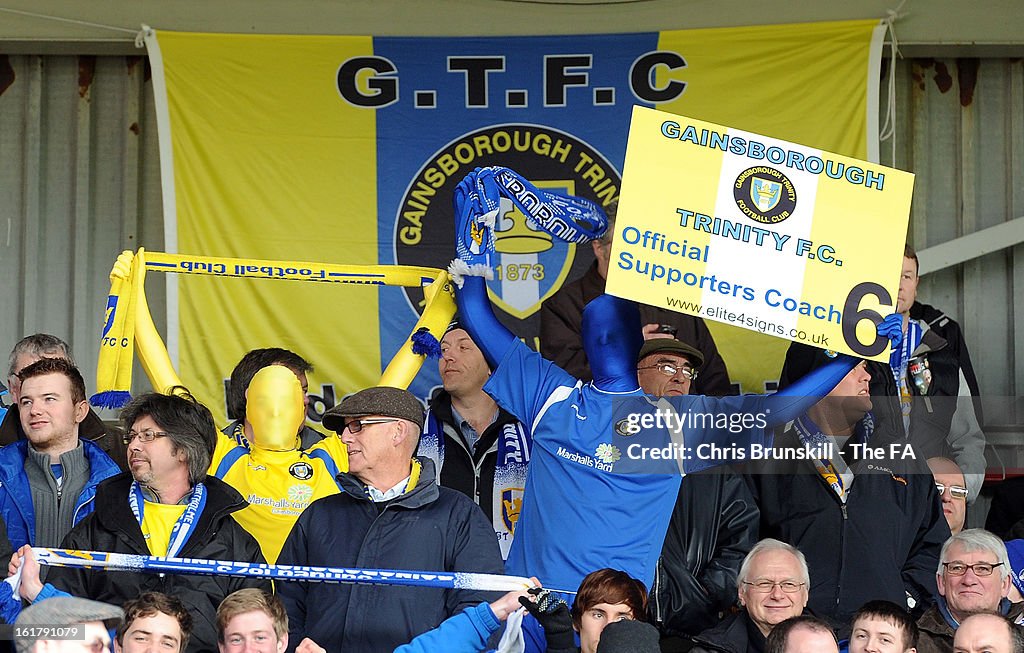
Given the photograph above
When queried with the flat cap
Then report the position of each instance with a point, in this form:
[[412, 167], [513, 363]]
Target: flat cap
[[671, 346], [378, 400], [64, 611]]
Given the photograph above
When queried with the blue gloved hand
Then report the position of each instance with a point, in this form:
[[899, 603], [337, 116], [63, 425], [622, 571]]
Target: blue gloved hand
[[892, 328]]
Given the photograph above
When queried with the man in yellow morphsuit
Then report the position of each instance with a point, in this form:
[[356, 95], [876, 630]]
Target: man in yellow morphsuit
[[276, 477]]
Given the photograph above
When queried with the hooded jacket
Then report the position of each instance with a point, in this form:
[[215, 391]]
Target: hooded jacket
[[114, 528], [428, 528]]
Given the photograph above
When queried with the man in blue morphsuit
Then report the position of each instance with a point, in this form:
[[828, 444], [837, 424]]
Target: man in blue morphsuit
[[585, 507]]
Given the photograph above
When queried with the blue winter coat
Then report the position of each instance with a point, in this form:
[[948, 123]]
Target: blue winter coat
[[16, 496], [466, 632]]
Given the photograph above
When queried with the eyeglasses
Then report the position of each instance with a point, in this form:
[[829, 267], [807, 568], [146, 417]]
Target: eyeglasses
[[143, 436], [955, 491], [668, 369], [356, 425], [766, 586], [979, 568]]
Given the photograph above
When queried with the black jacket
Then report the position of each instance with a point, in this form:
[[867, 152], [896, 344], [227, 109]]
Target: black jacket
[[561, 323], [92, 428], [113, 528], [429, 528], [883, 543], [714, 525], [735, 634], [1006, 512]]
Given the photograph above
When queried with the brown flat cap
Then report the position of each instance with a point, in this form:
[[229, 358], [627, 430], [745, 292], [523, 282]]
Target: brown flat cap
[[378, 400], [671, 346]]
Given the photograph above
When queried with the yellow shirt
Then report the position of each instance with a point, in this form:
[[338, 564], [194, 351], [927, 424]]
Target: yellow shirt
[[278, 485], [158, 519]]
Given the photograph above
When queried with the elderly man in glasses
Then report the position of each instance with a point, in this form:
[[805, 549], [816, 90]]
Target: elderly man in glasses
[[668, 367], [771, 587], [952, 488], [973, 577], [166, 506], [390, 514]]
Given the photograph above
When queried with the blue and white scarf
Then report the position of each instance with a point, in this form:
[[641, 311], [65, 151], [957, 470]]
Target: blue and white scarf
[[186, 524], [898, 361], [509, 472], [477, 203]]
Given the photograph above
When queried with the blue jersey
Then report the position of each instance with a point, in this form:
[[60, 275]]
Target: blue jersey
[[587, 505]]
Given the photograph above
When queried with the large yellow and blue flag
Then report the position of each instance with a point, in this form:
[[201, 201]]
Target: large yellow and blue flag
[[346, 149]]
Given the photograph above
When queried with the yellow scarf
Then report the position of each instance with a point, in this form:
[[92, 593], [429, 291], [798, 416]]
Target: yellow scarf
[[117, 341], [129, 325]]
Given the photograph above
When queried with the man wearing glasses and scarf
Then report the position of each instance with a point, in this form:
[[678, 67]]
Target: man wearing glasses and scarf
[[166, 506]]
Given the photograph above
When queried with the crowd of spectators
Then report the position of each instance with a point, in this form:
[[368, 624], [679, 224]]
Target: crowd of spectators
[[512, 467]]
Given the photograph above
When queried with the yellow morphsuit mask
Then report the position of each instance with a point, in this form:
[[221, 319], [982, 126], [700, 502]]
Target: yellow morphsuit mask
[[275, 408]]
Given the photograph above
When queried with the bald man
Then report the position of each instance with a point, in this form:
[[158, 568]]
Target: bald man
[[802, 634], [988, 633]]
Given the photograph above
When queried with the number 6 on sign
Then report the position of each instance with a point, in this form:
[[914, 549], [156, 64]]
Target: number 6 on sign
[[852, 317]]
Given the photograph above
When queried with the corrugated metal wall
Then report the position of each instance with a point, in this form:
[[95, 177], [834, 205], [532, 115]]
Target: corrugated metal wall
[[79, 182], [961, 131]]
